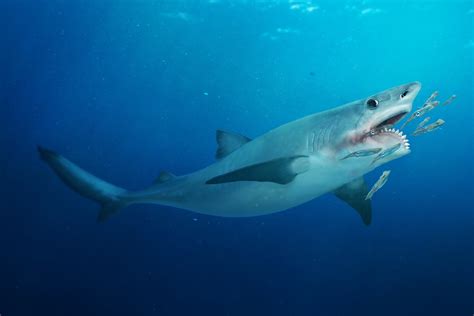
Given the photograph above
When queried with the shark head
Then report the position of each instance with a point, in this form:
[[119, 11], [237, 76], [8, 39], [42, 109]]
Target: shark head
[[373, 140]]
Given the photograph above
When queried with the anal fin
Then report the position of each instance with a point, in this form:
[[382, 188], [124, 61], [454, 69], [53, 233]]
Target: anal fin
[[109, 209]]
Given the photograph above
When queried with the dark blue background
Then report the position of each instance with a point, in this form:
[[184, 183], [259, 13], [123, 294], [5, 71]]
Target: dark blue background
[[128, 88]]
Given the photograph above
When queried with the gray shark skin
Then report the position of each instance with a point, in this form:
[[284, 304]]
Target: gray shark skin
[[290, 165]]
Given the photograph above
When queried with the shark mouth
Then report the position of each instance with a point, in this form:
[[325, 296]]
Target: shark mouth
[[391, 121], [385, 128]]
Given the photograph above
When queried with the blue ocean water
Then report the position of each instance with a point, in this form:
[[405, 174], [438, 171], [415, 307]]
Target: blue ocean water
[[129, 88]]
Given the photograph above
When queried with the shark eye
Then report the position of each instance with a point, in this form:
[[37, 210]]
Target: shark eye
[[372, 103], [404, 94]]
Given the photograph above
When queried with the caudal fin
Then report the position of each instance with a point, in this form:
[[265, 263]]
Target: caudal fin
[[110, 197]]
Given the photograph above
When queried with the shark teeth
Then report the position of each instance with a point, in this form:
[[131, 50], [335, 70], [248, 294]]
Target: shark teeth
[[403, 137]]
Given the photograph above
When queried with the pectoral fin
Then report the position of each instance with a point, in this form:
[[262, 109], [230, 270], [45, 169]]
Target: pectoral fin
[[280, 170], [354, 193]]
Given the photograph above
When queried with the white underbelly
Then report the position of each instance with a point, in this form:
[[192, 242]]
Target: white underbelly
[[245, 198]]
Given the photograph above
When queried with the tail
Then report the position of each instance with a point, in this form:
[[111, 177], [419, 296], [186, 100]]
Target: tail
[[110, 197]]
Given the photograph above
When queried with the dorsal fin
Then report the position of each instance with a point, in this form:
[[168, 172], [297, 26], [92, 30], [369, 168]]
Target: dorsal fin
[[164, 177], [227, 142]]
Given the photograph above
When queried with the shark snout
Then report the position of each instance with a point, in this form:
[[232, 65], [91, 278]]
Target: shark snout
[[411, 90]]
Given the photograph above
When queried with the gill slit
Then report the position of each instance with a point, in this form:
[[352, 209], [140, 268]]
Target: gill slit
[[320, 141], [326, 133], [311, 139]]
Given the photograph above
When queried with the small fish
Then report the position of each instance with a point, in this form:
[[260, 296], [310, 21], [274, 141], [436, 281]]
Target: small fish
[[378, 185], [387, 152], [429, 128], [423, 122], [450, 99], [432, 97], [419, 131], [421, 111], [363, 153]]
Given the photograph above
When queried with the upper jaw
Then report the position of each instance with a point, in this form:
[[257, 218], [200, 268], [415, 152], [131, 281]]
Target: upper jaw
[[382, 126], [399, 109], [390, 117]]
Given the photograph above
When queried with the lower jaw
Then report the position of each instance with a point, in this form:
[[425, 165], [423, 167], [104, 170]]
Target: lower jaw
[[397, 135]]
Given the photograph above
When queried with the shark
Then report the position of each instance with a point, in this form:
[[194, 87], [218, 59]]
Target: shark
[[283, 168]]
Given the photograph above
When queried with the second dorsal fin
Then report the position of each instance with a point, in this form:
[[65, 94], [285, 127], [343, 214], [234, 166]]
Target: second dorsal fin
[[164, 176], [228, 142]]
